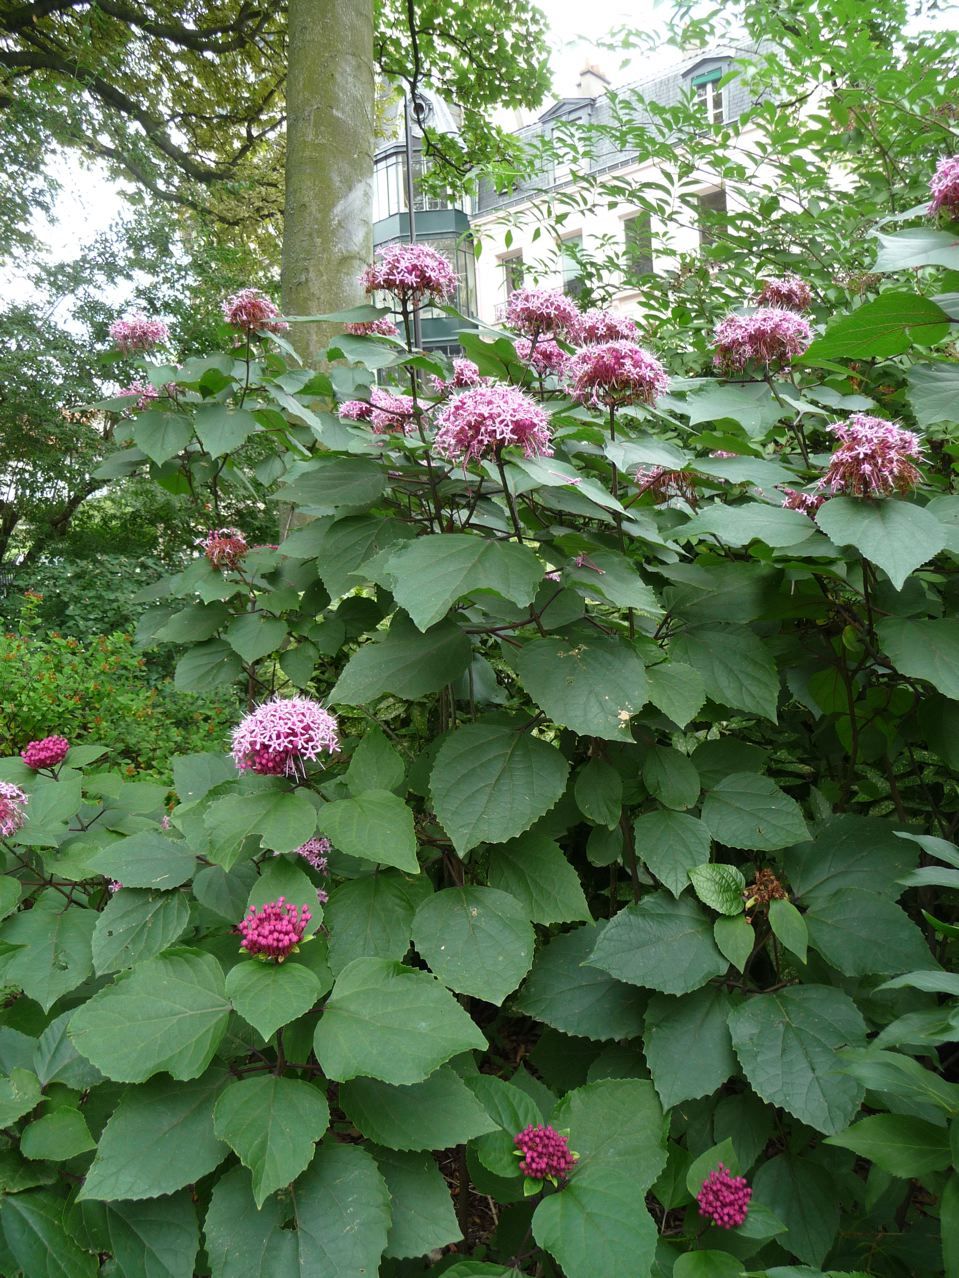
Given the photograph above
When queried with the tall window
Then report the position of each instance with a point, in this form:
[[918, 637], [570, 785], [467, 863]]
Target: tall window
[[709, 96], [512, 274], [638, 234], [570, 266], [712, 216]]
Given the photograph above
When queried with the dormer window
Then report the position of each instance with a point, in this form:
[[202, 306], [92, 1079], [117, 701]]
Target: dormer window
[[709, 96]]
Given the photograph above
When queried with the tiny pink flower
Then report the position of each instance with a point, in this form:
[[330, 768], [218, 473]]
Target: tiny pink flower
[[546, 357], [788, 292], [486, 419], [465, 375], [616, 373], [413, 273], [873, 458], [356, 410], [534, 311], [253, 312], [144, 392], [315, 852], [597, 326], [13, 808], [224, 547], [47, 753], [767, 336], [279, 736], [114, 886], [807, 503], [385, 411], [724, 1198], [138, 333], [274, 930], [382, 327], [546, 1153], [945, 187], [165, 821]]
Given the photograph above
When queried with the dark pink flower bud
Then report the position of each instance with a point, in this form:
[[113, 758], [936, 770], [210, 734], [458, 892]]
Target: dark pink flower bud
[[724, 1198], [253, 312], [546, 1153], [224, 547], [47, 753], [274, 930]]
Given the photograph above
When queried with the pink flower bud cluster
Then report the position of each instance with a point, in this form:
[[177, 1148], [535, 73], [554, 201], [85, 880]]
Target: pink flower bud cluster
[[663, 484], [873, 458], [144, 392], [545, 357], [279, 736], [724, 1198], [274, 930], [253, 312], [767, 336], [48, 753], [382, 327], [945, 187], [546, 1152], [465, 375], [616, 373], [534, 311], [807, 503], [413, 273], [138, 333], [385, 411], [789, 292], [224, 547], [597, 326], [13, 808], [486, 419]]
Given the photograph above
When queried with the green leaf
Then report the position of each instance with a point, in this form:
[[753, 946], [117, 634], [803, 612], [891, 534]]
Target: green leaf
[[670, 777], [18, 1095], [734, 665], [900, 1076], [511, 1110], [370, 917], [434, 571], [56, 955], [375, 765], [888, 325], [255, 636], [137, 925], [272, 1125], [597, 1226], [671, 844], [949, 1224], [343, 547], [719, 886], [895, 535], [734, 939], [746, 810], [593, 686], [672, 1025], [327, 484], [404, 663], [599, 793], [270, 995], [242, 1242], [851, 851], [787, 1043], [611, 576], [491, 782], [365, 1026], [676, 689], [436, 1114], [159, 1138], [57, 1136], [281, 821], [843, 927], [708, 1264], [422, 1215], [153, 1239], [195, 775], [33, 1229], [662, 944], [803, 1195], [145, 860], [924, 649], [161, 435], [933, 392], [754, 520], [169, 1014], [917, 246], [477, 940], [225, 892], [577, 999], [56, 1060], [789, 927], [534, 870], [207, 665], [221, 429], [899, 1144], [376, 825], [930, 982]]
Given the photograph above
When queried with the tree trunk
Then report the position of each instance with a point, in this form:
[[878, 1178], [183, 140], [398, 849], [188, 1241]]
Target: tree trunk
[[328, 217]]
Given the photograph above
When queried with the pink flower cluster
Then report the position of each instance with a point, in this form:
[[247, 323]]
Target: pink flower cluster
[[253, 312], [767, 336], [138, 333], [789, 292], [597, 325], [315, 852], [224, 547], [278, 736], [13, 808], [384, 410], [48, 753], [274, 930], [413, 273], [114, 886], [873, 458], [663, 484], [807, 503], [544, 356], [486, 419], [616, 373], [465, 375], [533, 311], [945, 187], [546, 1152], [144, 392], [382, 327], [724, 1198]]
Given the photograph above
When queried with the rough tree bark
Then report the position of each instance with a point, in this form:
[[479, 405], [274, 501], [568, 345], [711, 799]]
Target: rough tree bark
[[328, 216]]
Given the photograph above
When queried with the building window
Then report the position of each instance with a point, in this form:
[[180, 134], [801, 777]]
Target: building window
[[712, 216], [571, 267], [709, 96], [638, 234], [512, 274], [389, 195]]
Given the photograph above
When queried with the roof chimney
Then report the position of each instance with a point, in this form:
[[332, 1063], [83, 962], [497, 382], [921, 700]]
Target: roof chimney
[[591, 83]]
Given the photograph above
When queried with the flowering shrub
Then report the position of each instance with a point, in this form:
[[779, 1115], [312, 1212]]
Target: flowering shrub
[[573, 896]]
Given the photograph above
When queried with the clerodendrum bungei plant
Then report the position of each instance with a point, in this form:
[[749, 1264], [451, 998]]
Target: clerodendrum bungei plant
[[566, 901]]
